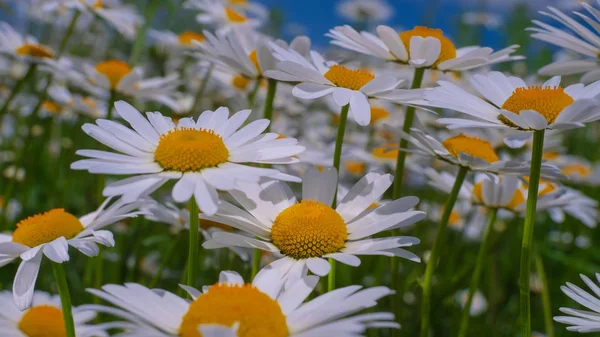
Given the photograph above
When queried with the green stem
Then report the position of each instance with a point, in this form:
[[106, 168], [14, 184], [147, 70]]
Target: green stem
[[436, 249], [526, 245], [256, 255], [140, 39], [193, 246], [17, 88], [331, 276], [165, 261], [111, 104], [268, 111], [202, 89], [65, 297], [252, 94], [547, 307], [481, 256], [68, 33]]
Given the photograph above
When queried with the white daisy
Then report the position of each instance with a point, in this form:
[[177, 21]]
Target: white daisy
[[582, 320], [508, 103], [221, 15], [182, 42], [421, 47], [44, 318], [50, 234], [124, 18], [305, 233], [365, 10], [262, 308], [203, 155], [479, 304], [25, 48]]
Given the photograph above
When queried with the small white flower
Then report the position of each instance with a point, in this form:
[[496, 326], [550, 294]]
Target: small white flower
[[25, 48], [582, 320], [222, 15]]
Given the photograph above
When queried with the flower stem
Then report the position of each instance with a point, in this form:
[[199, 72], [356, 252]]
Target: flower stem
[[202, 89], [268, 111], [140, 39], [68, 33], [17, 88], [255, 261], [547, 307], [526, 245], [481, 255], [65, 297], [331, 276], [193, 246], [111, 104], [436, 249], [252, 94]]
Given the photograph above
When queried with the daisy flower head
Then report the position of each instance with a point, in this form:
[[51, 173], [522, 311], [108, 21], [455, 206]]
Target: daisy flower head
[[508, 103], [257, 309], [305, 233], [583, 321], [25, 48], [50, 234], [176, 42], [44, 318], [365, 10], [122, 17], [421, 47], [222, 15], [317, 78], [203, 155]]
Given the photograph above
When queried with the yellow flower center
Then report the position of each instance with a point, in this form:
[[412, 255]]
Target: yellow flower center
[[234, 16], [43, 321], [238, 2], [576, 169], [90, 102], [46, 227], [98, 4], [448, 50], [254, 58], [240, 82], [35, 50], [114, 70], [455, 218], [472, 146], [257, 314], [186, 149], [385, 153], [52, 107], [379, 113], [348, 78], [309, 229], [550, 155], [186, 38], [354, 167], [548, 101], [517, 199]]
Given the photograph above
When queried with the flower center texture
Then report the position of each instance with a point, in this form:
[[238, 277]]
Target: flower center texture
[[46, 227], [258, 314], [35, 50], [43, 321], [576, 169], [52, 107], [548, 101], [448, 50], [186, 38], [309, 229], [186, 149], [234, 16], [114, 70], [379, 113], [385, 153], [355, 167], [473, 146], [240, 82], [348, 78]]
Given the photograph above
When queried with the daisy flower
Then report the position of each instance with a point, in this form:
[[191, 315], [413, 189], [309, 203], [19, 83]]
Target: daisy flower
[[50, 234], [317, 78], [365, 10], [421, 47], [582, 320], [123, 18], [176, 42], [221, 15], [576, 38], [508, 103], [24, 48], [203, 155], [306, 233], [260, 308], [44, 318]]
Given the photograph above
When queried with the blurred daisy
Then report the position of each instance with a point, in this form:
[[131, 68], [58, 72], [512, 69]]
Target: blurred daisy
[[421, 47], [479, 304], [22, 47], [44, 318], [221, 15], [123, 18], [509, 103], [306, 233], [365, 10], [487, 19], [50, 234], [262, 308], [176, 42], [203, 155], [581, 320]]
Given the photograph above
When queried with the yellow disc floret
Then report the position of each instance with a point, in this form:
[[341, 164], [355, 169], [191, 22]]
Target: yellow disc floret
[[43, 321], [548, 101], [579, 170], [379, 113], [240, 82], [309, 229], [186, 149], [448, 50], [473, 146], [385, 152], [114, 70], [348, 78], [35, 50], [234, 16], [186, 38], [46, 227], [257, 314]]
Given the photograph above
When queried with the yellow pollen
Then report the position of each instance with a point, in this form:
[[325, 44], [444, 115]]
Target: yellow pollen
[[257, 314], [455, 218], [379, 113], [254, 58], [46, 227], [385, 153], [309, 229], [238, 2], [550, 155], [472, 146], [448, 50], [43, 321], [98, 4], [35, 50], [186, 149], [355, 167], [548, 101], [348, 78], [234, 16], [576, 169], [52, 107], [186, 38], [114, 70], [240, 82]]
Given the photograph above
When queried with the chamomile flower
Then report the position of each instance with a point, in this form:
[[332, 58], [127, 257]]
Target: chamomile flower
[[124, 18], [44, 318], [221, 15], [421, 47], [24, 48], [582, 320], [257, 309], [305, 233], [184, 41], [365, 10], [204, 156], [508, 103], [50, 234]]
